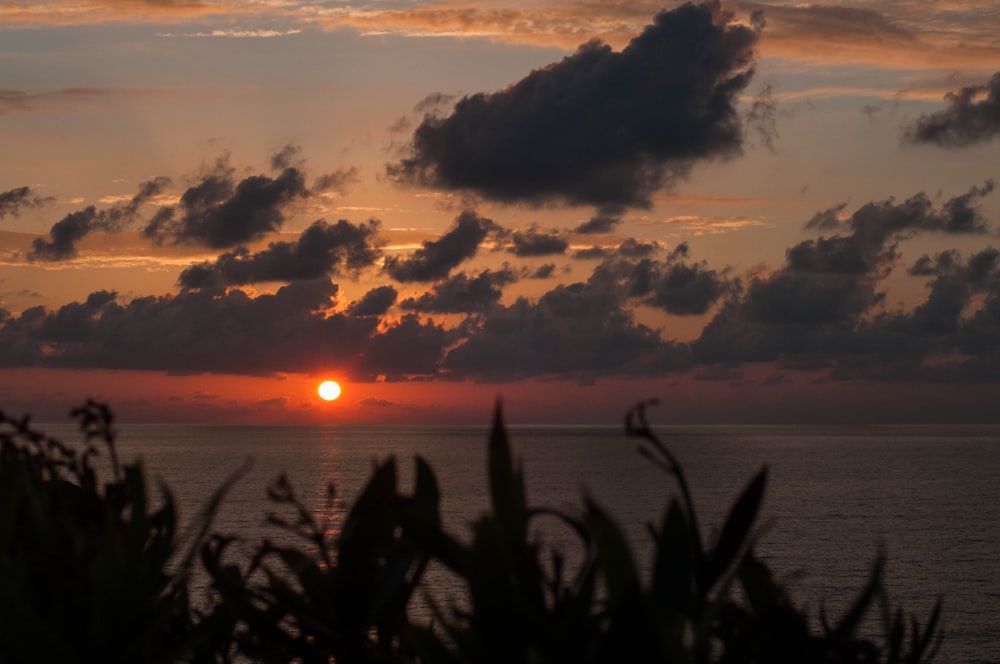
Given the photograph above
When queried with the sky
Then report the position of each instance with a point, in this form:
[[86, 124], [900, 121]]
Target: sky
[[751, 211]]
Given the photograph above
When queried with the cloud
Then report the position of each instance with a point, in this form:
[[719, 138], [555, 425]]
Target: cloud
[[65, 233], [972, 116], [542, 271], [411, 347], [375, 302], [600, 127], [322, 249], [578, 330], [600, 223], [952, 288], [336, 180], [436, 258], [292, 330], [823, 305], [535, 242], [21, 198], [377, 403], [462, 294], [219, 212]]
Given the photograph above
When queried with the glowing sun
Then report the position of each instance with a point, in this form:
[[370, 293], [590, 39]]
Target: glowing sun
[[329, 390]]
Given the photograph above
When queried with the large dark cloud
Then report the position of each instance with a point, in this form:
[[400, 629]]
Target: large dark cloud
[[65, 233], [579, 330], [462, 294], [219, 212], [292, 330], [600, 127], [824, 309], [411, 347], [436, 258], [972, 116], [15, 200], [321, 250], [821, 307]]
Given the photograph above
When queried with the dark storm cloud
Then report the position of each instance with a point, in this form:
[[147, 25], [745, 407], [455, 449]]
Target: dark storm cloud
[[462, 294], [15, 200], [972, 116], [321, 250], [600, 127], [375, 302], [535, 242], [65, 233], [219, 212], [436, 258]]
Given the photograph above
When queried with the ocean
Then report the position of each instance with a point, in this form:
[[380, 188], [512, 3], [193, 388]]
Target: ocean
[[928, 496]]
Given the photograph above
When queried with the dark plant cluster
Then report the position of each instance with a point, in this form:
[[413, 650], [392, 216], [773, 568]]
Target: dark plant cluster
[[93, 571]]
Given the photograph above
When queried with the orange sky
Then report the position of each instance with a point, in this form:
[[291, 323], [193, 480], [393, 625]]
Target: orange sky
[[208, 207]]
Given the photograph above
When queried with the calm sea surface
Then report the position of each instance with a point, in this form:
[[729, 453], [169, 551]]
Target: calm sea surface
[[929, 496]]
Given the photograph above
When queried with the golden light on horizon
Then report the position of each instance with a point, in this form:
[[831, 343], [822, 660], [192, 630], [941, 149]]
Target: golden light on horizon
[[329, 390]]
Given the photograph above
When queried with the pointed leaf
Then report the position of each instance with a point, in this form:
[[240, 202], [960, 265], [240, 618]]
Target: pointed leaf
[[733, 537]]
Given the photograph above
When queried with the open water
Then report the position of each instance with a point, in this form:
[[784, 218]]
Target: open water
[[929, 496]]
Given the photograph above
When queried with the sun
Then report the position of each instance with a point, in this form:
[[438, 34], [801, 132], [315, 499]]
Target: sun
[[329, 390]]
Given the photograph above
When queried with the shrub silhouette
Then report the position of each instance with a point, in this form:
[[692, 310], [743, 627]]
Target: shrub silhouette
[[88, 571], [92, 572]]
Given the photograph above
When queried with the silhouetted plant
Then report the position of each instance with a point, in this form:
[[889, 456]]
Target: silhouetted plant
[[90, 571], [84, 564], [347, 600], [703, 603]]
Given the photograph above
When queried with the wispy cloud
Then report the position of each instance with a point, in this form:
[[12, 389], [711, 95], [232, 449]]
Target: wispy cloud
[[234, 33]]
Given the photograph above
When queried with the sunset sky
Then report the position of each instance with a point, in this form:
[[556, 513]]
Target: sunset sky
[[753, 211]]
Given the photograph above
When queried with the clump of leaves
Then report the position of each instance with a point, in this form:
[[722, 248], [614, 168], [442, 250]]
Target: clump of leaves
[[346, 598], [85, 566], [705, 602]]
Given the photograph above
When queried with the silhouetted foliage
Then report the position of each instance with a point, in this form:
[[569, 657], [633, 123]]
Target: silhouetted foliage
[[89, 571], [93, 572]]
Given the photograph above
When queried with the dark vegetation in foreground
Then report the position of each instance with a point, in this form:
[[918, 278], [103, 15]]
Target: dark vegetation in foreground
[[91, 570]]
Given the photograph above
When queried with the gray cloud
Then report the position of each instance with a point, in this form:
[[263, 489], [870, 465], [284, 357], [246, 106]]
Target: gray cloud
[[535, 242], [219, 212], [600, 223], [821, 307], [578, 330], [600, 127], [462, 294], [15, 200], [65, 233], [436, 258], [321, 250], [972, 116], [292, 330], [411, 347], [375, 302]]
